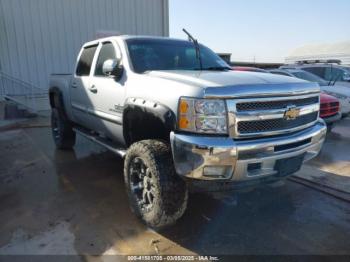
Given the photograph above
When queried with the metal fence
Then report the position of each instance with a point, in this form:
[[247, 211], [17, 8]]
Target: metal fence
[[23, 93], [14, 86]]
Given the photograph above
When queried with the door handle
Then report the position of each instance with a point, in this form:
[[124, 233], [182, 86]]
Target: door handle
[[74, 85], [93, 89]]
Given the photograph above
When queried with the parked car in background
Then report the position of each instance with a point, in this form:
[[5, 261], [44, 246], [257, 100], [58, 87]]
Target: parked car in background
[[336, 90], [329, 109], [250, 69], [327, 71]]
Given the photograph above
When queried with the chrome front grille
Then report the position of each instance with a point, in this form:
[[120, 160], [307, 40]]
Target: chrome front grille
[[255, 117], [266, 105], [247, 127]]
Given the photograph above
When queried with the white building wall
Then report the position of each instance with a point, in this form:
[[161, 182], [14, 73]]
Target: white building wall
[[337, 50], [344, 58], [40, 37]]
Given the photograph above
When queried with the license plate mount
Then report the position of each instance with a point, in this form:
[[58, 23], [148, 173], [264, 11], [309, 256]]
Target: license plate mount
[[288, 166]]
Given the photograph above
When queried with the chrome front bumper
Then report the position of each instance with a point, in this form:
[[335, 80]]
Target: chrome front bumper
[[226, 159]]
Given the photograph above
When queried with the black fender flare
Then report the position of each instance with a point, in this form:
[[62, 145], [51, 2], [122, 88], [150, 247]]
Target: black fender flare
[[56, 100], [154, 110]]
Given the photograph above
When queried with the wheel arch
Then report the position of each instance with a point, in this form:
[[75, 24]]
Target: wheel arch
[[56, 100], [145, 119]]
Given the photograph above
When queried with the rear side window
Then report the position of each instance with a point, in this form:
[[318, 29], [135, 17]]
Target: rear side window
[[85, 61], [107, 52]]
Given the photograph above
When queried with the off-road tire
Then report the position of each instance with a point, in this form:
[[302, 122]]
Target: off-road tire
[[171, 194], [62, 131]]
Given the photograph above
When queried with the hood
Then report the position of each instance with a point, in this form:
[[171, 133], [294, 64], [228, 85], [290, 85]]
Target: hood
[[222, 78], [238, 83], [340, 89]]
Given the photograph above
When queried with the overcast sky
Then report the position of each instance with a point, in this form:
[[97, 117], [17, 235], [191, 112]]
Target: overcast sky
[[265, 29]]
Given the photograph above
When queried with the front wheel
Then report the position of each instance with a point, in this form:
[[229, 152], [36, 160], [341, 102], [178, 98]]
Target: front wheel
[[157, 195]]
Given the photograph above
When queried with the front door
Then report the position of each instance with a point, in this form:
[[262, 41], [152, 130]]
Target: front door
[[107, 95]]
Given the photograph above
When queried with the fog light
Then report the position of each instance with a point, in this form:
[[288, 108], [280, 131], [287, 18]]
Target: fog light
[[217, 171], [254, 166]]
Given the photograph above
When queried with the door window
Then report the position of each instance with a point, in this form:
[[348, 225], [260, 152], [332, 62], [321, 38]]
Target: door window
[[107, 52], [85, 61]]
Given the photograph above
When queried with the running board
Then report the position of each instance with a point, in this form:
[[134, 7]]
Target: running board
[[101, 141]]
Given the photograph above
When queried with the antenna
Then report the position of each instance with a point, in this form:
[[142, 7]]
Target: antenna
[[196, 45]]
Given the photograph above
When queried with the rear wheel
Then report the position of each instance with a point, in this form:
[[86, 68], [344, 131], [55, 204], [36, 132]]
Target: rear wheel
[[62, 131], [157, 195]]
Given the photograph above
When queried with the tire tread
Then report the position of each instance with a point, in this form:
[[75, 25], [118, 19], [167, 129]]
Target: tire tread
[[173, 189]]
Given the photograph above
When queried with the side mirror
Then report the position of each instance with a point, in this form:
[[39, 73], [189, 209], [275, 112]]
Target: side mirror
[[112, 67]]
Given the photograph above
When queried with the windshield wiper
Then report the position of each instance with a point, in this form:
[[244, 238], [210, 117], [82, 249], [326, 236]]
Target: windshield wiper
[[214, 68], [331, 78], [336, 79], [196, 45]]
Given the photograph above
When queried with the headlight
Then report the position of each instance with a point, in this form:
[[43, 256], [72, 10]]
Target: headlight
[[202, 115]]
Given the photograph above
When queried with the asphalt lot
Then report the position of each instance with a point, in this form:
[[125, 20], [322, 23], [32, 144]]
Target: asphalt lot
[[74, 202]]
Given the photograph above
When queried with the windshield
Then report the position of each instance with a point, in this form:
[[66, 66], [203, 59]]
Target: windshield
[[310, 77], [166, 54]]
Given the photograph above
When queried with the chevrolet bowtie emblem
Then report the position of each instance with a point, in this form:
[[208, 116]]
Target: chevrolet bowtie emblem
[[291, 113]]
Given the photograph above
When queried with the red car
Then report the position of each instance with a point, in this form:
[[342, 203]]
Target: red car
[[329, 109]]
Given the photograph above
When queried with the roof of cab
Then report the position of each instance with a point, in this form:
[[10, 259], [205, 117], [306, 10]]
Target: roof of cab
[[125, 37]]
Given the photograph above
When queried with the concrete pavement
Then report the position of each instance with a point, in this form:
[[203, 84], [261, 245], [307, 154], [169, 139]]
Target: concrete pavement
[[74, 202]]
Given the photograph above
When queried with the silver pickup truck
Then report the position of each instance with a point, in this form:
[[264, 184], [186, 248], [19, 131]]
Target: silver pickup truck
[[183, 120]]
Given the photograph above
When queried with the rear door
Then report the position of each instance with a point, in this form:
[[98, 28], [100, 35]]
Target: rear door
[[79, 86], [107, 94]]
